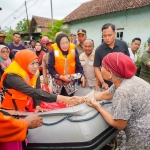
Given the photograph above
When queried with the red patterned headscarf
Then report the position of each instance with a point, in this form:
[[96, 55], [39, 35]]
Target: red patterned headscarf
[[119, 64]]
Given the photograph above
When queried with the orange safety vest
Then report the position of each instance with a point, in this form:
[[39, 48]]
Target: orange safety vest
[[64, 65], [20, 98]]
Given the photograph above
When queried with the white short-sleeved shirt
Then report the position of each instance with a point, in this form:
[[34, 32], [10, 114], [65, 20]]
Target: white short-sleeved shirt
[[132, 56]]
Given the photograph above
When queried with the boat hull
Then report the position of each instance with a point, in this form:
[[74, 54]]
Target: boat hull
[[73, 132]]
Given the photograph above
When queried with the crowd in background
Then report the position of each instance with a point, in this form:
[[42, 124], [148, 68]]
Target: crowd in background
[[71, 61], [85, 48]]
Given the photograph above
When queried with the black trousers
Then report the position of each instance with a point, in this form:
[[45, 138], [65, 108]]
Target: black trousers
[[64, 92]]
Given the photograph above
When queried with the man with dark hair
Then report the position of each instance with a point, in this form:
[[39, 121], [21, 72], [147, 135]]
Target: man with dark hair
[[135, 45], [73, 38], [107, 25], [31, 45], [109, 45], [15, 45], [81, 38]]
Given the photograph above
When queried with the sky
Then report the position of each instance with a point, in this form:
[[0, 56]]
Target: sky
[[13, 11]]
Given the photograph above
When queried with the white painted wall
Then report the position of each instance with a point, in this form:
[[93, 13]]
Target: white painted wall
[[136, 23]]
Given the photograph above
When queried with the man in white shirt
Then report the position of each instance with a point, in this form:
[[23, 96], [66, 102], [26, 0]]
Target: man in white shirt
[[135, 45], [87, 60]]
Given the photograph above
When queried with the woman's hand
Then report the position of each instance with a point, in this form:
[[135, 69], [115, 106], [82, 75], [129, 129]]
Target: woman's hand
[[105, 86], [93, 103], [69, 101], [78, 99], [64, 78], [39, 109]]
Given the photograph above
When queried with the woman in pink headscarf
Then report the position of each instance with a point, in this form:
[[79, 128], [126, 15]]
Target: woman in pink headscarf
[[4, 58], [130, 97]]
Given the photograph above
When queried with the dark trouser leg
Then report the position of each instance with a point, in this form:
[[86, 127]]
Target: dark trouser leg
[[64, 92]]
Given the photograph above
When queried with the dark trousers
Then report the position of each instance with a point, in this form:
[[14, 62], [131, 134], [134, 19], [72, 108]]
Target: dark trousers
[[64, 92]]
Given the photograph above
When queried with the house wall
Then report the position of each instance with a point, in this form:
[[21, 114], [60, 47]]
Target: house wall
[[136, 23], [38, 29]]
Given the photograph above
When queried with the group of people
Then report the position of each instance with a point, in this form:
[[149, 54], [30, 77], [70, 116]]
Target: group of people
[[111, 66]]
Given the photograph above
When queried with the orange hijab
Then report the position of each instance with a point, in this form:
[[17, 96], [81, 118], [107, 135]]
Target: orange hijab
[[24, 58]]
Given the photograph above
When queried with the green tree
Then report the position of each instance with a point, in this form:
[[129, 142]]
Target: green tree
[[22, 26], [55, 28], [9, 35]]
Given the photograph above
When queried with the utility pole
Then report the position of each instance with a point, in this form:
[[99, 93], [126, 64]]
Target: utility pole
[[27, 20], [51, 11], [0, 26]]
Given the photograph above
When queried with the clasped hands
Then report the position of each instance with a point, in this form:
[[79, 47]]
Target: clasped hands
[[69, 101], [75, 100], [72, 101]]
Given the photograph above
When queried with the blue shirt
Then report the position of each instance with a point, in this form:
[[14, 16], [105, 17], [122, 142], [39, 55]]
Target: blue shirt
[[16, 48]]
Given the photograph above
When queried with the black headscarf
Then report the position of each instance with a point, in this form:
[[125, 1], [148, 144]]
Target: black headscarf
[[38, 52], [58, 39]]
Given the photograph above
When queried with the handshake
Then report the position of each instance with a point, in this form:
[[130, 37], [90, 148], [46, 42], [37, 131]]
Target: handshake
[[74, 100]]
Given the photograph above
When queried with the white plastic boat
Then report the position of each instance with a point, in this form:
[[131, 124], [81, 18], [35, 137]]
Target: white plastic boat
[[79, 127]]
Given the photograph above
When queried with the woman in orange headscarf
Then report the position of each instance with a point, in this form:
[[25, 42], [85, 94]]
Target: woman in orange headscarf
[[21, 79]]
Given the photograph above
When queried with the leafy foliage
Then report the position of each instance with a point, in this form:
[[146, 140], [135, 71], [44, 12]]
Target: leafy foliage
[[140, 52], [54, 28], [138, 61], [22, 26], [9, 35]]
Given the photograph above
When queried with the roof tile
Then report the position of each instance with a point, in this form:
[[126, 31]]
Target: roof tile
[[100, 7]]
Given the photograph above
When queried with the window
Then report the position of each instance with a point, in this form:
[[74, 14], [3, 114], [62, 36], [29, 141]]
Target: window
[[119, 33]]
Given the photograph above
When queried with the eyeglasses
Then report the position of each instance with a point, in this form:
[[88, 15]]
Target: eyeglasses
[[7, 52], [64, 43]]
